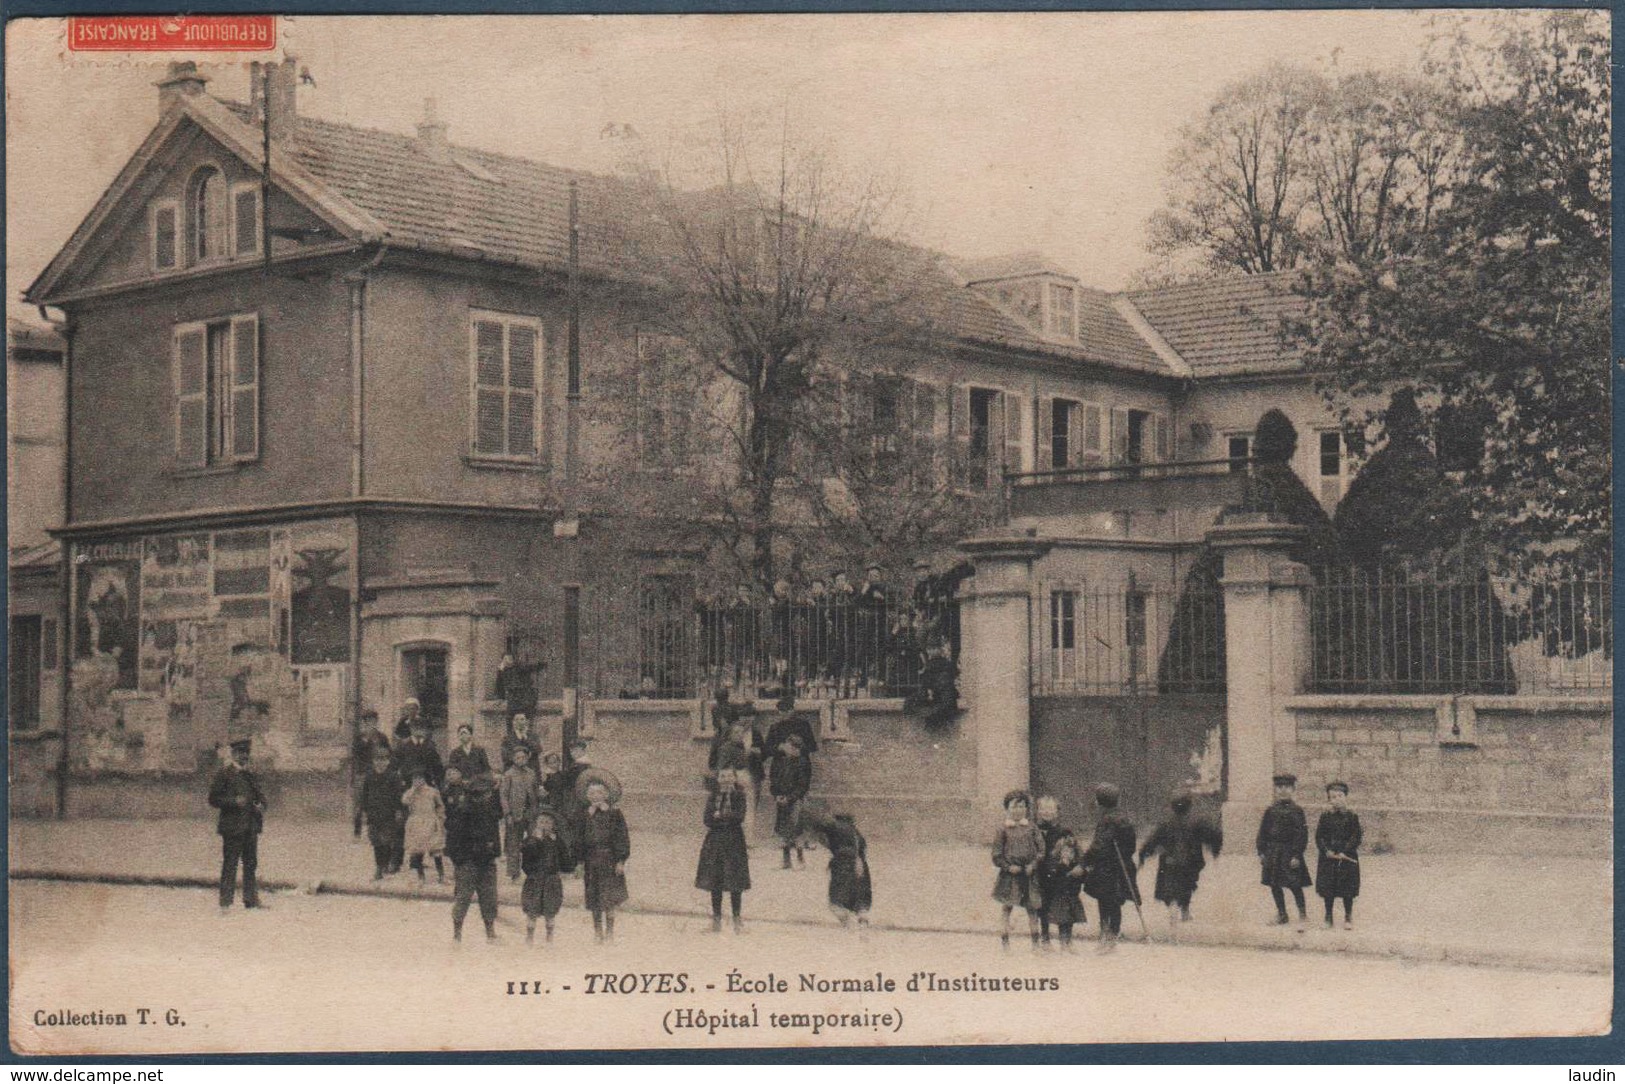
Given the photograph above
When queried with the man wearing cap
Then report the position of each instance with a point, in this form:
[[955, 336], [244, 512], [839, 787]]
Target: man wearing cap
[[370, 738], [473, 842], [237, 795], [519, 736], [1283, 836], [418, 754]]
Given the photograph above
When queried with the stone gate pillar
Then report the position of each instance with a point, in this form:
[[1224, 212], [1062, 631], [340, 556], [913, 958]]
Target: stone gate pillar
[[995, 658], [1266, 622]]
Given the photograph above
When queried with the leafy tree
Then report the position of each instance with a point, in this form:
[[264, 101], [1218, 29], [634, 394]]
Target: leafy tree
[[1500, 311]]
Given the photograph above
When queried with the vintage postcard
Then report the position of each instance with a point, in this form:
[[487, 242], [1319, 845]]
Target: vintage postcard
[[569, 533]]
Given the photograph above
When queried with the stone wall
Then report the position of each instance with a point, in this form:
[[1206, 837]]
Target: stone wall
[[1482, 774], [874, 760]]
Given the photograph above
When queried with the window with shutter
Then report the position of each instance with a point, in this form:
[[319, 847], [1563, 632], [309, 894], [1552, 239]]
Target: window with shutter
[[665, 407], [190, 370], [245, 388], [1331, 466], [217, 367], [1120, 436], [1093, 430], [1164, 432], [165, 235], [1014, 459], [1048, 411], [505, 374], [245, 219]]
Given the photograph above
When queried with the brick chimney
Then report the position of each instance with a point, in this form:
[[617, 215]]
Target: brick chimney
[[432, 133], [183, 81], [284, 100]]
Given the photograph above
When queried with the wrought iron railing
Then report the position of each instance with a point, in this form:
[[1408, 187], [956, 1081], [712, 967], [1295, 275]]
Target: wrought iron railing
[[1398, 632], [1127, 640], [659, 644]]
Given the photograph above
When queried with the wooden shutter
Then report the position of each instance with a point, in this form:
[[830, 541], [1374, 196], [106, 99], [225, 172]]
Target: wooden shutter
[[1014, 404], [1119, 436], [165, 235], [523, 350], [1164, 430], [245, 220], [245, 388], [959, 434], [190, 374], [490, 388], [216, 217], [1046, 434], [1092, 429]]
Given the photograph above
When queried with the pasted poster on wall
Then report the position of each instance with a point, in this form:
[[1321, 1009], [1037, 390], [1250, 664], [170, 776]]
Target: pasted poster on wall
[[175, 596], [321, 595], [107, 587], [242, 587]]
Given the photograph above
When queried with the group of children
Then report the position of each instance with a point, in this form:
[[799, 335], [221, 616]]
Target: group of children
[[1043, 867], [740, 757], [547, 826]]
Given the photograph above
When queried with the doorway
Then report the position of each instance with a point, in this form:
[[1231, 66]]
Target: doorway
[[424, 676], [25, 652]]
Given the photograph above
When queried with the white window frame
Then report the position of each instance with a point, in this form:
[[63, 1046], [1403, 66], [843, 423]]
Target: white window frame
[[232, 192], [1341, 477], [1064, 663], [1070, 331], [507, 320], [177, 238], [194, 258]]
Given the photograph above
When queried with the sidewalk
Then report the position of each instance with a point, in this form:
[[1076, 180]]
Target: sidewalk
[[1541, 913]]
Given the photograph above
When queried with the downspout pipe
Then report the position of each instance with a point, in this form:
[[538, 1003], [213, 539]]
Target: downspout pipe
[[64, 655], [358, 280]]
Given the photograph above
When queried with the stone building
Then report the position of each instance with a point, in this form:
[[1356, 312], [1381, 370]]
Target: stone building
[[320, 437]]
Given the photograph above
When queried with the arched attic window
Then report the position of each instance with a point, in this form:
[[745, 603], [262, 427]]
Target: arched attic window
[[206, 218]]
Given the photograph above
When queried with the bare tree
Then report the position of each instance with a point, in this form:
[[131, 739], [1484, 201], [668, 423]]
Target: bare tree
[[1235, 178], [776, 275]]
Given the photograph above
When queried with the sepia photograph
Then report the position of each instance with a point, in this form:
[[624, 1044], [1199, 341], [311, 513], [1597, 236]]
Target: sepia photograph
[[543, 533]]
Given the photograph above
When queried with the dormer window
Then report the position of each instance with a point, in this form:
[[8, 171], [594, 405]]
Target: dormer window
[[206, 216], [1061, 311]]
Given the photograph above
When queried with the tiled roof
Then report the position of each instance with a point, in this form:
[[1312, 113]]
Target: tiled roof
[[1226, 326], [517, 210], [1012, 265]]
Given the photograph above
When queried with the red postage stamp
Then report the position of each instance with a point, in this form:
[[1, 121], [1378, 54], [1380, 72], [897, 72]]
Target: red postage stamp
[[172, 33]]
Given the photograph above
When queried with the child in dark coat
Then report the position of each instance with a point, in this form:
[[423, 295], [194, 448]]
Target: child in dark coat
[[1337, 838], [1048, 809], [605, 846], [544, 857], [1061, 877], [1283, 835], [789, 780], [851, 890], [1110, 875], [1017, 848], [381, 805], [1181, 840], [724, 862]]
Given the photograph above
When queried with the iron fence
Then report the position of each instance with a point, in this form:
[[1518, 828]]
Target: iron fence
[[1399, 632], [1127, 640], [654, 640]]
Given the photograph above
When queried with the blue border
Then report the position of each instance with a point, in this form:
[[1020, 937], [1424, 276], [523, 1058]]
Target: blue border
[[1579, 1053]]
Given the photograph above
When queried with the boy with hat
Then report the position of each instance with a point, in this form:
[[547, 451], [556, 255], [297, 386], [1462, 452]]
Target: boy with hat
[[1337, 838], [381, 794], [790, 780], [237, 795], [1108, 864], [473, 842], [1283, 835], [370, 738]]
